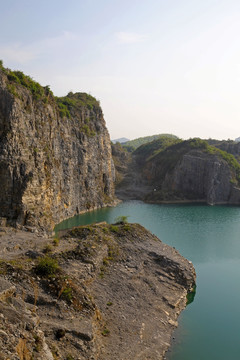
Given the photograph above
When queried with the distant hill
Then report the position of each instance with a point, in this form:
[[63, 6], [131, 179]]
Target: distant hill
[[120, 140], [186, 169], [152, 148], [134, 144], [171, 169]]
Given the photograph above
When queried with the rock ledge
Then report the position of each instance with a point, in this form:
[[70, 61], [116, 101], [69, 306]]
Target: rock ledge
[[115, 292]]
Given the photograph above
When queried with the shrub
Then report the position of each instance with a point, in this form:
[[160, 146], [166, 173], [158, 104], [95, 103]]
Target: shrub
[[75, 101], [47, 266], [47, 249], [114, 228], [19, 77], [63, 109], [56, 240], [106, 332], [2, 67], [67, 294], [126, 227], [69, 357], [121, 220], [13, 77], [12, 89]]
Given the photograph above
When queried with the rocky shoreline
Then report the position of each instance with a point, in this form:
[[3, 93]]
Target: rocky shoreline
[[97, 292]]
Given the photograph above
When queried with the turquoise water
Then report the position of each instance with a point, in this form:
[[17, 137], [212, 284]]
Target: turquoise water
[[209, 236]]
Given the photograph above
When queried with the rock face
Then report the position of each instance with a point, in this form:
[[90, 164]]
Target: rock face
[[200, 176], [55, 154], [230, 147], [186, 171], [121, 160], [103, 292]]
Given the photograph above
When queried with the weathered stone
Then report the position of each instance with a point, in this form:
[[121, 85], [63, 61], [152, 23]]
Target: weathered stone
[[195, 176], [51, 167], [201, 176], [6, 292], [3, 221], [125, 308]]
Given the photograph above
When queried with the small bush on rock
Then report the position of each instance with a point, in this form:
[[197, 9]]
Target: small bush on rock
[[121, 220], [47, 266]]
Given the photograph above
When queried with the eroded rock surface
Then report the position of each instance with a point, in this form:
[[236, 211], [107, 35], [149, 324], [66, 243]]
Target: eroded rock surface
[[114, 292], [200, 176], [55, 154], [189, 170]]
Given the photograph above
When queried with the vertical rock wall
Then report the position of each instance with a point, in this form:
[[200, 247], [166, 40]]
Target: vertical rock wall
[[51, 166], [202, 177]]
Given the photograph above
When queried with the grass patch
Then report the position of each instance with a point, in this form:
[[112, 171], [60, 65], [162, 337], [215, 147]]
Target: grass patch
[[56, 240], [114, 229], [47, 266], [121, 220], [47, 249], [105, 332], [67, 294], [69, 357], [105, 230], [126, 227]]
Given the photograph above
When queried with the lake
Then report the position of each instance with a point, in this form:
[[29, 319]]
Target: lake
[[209, 236]]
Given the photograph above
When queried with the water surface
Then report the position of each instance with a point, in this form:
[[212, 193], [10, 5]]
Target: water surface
[[209, 236]]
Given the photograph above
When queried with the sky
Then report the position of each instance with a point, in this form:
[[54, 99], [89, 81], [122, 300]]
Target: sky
[[157, 66]]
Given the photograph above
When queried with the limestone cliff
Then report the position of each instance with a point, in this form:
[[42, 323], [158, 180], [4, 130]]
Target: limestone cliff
[[200, 176], [55, 153], [232, 147], [184, 171]]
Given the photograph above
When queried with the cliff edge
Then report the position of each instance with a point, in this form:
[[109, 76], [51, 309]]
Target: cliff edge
[[55, 153], [172, 170], [100, 292]]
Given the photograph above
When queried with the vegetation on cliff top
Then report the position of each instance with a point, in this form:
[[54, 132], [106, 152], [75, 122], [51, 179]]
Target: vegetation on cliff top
[[166, 153], [64, 104], [151, 149], [210, 149], [75, 102], [19, 78], [132, 145]]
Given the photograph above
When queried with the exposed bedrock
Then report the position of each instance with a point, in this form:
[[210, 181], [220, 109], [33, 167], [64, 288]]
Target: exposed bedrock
[[55, 156], [189, 170], [107, 292], [202, 176]]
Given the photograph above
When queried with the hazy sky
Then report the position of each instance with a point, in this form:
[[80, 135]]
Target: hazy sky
[[157, 66]]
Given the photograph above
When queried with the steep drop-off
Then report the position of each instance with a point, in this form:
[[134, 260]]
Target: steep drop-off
[[102, 292], [55, 153], [105, 292], [179, 170]]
